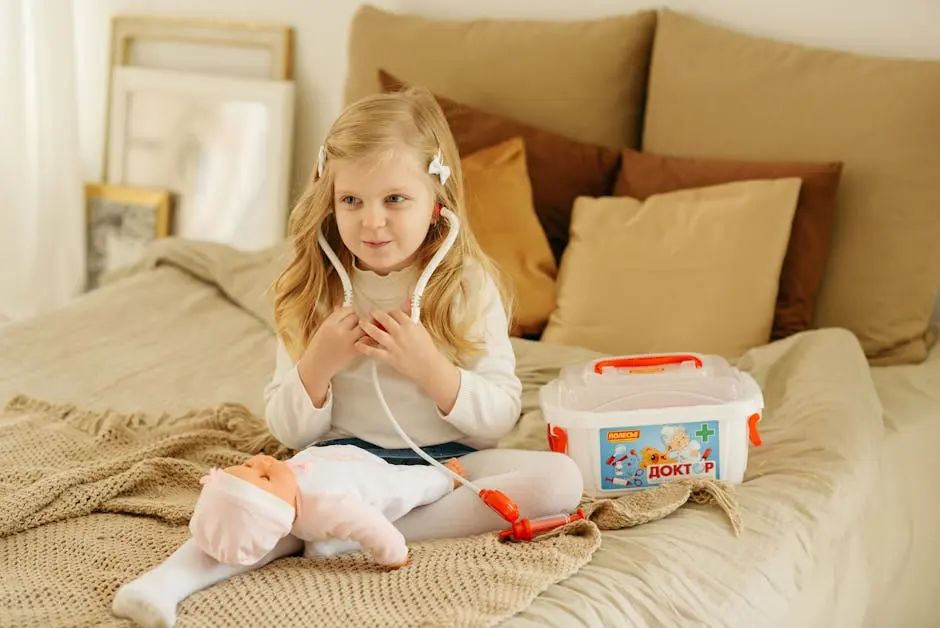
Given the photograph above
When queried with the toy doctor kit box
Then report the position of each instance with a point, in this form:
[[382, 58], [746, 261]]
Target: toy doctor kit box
[[632, 422]]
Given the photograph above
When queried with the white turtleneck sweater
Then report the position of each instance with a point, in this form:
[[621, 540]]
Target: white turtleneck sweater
[[488, 403]]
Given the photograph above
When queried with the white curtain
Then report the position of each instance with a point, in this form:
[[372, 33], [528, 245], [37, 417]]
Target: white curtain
[[42, 249]]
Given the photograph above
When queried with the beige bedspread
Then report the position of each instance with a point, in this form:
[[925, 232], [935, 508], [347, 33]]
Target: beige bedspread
[[190, 331]]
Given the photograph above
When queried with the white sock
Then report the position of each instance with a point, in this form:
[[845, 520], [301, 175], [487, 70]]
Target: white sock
[[151, 599]]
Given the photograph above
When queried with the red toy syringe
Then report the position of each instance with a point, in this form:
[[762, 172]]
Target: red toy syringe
[[527, 529]]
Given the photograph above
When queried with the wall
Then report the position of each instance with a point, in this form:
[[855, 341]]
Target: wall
[[321, 33]]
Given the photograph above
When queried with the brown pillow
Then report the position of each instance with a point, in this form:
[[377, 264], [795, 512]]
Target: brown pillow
[[643, 175], [560, 169], [501, 215]]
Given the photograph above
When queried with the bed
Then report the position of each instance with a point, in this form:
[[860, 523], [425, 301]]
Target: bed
[[830, 536], [838, 524]]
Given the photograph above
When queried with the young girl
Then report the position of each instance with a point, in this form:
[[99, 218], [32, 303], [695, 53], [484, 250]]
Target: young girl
[[387, 167]]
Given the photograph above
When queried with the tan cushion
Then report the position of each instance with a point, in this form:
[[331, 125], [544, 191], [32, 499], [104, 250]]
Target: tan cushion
[[560, 169], [502, 216], [693, 270], [717, 93], [645, 174], [582, 79]]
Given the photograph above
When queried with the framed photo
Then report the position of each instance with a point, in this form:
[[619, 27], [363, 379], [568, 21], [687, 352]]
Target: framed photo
[[121, 221], [221, 145]]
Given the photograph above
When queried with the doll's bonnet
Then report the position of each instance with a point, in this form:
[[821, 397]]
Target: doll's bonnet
[[236, 522]]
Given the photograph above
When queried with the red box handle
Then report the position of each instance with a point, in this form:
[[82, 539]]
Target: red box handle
[[647, 361]]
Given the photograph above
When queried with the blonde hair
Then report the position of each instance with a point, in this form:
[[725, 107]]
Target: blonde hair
[[309, 287]]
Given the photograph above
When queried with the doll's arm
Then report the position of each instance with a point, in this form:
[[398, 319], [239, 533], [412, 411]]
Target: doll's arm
[[347, 518]]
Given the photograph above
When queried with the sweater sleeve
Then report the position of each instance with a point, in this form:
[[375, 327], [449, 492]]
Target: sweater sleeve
[[289, 412], [489, 400]]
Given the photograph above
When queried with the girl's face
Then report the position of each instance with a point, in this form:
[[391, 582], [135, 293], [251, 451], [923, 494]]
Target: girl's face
[[383, 208]]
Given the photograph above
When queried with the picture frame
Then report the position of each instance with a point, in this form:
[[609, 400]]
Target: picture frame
[[246, 49], [120, 222], [203, 46], [221, 145]]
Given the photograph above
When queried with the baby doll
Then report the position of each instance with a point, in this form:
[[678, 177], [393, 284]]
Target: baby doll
[[334, 498]]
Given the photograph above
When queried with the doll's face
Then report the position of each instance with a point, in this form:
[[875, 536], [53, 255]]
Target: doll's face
[[268, 474]]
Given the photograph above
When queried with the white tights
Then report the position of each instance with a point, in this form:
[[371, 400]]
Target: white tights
[[541, 484]]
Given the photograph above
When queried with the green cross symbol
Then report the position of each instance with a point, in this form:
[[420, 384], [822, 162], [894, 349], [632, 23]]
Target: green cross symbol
[[705, 432]]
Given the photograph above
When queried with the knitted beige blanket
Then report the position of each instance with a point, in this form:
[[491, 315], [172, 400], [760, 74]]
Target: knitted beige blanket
[[89, 500]]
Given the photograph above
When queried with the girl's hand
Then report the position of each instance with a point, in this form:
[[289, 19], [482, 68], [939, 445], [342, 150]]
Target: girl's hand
[[406, 346], [410, 350], [331, 350]]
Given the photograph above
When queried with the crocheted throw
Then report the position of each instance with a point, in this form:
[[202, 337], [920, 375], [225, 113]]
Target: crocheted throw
[[89, 500]]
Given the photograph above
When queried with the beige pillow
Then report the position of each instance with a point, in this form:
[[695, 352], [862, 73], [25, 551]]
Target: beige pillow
[[502, 216], [693, 270], [716, 93], [584, 79]]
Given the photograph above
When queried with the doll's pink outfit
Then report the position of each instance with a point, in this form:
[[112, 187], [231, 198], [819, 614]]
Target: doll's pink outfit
[[348, 499]]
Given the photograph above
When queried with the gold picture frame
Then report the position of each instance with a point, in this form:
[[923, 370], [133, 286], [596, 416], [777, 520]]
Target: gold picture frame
[[119, 222], [128, 31]]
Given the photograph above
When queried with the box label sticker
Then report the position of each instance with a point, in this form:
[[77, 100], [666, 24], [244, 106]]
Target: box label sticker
[[640, 457]]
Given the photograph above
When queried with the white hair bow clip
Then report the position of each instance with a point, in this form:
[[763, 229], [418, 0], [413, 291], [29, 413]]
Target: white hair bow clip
[[321, 160], [439, 168]]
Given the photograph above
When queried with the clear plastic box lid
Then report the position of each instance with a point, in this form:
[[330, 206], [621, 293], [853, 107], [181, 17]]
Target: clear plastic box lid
[[648, 381]]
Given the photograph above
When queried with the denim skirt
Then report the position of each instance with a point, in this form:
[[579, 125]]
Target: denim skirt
[[442, 452]]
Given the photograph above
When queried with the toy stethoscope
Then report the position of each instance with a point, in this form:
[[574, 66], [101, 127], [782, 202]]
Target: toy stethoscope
[[521, 529]]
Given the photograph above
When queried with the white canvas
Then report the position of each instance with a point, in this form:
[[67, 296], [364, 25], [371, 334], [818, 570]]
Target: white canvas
[[222, 145]]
